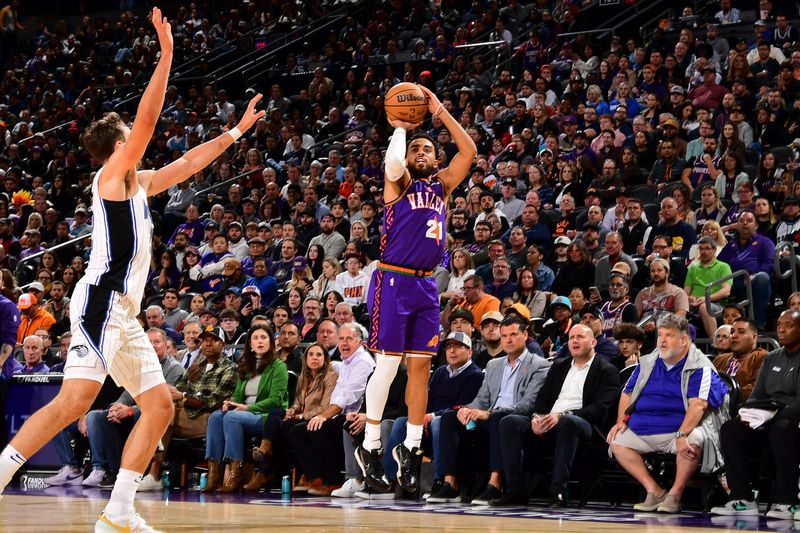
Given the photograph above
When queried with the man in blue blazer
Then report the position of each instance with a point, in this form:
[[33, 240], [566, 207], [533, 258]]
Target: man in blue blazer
[[575, 397], [510, 388]]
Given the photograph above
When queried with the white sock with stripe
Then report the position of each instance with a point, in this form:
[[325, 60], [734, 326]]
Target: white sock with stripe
[[10, 461]]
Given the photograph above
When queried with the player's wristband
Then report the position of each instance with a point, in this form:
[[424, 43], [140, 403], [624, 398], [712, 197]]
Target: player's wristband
[[624, 419], [130, 411], [235, 133]]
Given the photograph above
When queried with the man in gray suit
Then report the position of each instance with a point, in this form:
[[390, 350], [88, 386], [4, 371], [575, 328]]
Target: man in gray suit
[[511, 385]]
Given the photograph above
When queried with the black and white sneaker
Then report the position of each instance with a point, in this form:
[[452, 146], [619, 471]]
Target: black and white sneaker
[[489, 493], [445, 494], [371, 464], [437, 484], [107, 483], [408, 464]]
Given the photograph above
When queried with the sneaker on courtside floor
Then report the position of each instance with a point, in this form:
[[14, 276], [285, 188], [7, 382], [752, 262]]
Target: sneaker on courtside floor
[[130, 522], [150, 484], [95, 477], [68, 475], [736, 508]]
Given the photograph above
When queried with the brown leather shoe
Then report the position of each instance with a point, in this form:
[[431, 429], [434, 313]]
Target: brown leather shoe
[[258, 481], [235, 479], [214, 478], [263, 453]]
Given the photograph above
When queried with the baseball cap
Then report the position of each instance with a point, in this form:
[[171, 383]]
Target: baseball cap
[[192, 250], [569, 119], [460, 337], [231, 264], [461, 312], [791, 199], [492, 315], [677, 89], [563, 241], [36, 286], [561, 300], [256, 240], [592, 310], [211, 224], [510, 181], [214, 331], [621, 267], [209, 312], [81, 210], [519, 309], [233, 290], [709, 69], [299, 263], [251, 288], [26, 300], [360, 107], [670, 122], [235, 224], [760, 22]]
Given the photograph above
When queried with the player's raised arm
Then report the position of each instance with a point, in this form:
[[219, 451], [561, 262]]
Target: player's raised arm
[[458, 169], [149, 106], [201, 156]]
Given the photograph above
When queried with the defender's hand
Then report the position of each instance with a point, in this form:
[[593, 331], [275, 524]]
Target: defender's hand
[[164, 31], [251, 115]]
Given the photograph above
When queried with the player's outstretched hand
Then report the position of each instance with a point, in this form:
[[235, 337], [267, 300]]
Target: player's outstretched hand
[[251, 115], [164, 31], [434, 105], [408, 126]]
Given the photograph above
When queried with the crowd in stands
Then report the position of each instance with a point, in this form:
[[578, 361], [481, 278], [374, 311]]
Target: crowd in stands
[[615, 185]]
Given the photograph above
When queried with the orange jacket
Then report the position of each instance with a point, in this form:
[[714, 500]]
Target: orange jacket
[[30, 323]]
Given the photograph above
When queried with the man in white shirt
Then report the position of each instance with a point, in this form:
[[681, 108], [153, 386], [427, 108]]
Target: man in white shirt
[[575, 396]]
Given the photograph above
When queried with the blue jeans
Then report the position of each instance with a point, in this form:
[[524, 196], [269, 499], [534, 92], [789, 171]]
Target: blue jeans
[[63, 444], [761, 285], [227, 431], [398, 435], [107, 439]]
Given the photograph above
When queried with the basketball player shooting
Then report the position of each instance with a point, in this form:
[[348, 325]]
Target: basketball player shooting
[[403, 300], [107, 339]]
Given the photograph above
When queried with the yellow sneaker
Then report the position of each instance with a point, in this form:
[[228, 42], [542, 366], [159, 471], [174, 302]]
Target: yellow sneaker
[[129, 523]]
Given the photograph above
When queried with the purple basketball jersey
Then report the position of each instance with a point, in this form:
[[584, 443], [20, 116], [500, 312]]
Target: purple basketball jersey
[[413, 227]]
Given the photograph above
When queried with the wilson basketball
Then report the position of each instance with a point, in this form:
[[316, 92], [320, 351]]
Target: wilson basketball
[[406, 102]]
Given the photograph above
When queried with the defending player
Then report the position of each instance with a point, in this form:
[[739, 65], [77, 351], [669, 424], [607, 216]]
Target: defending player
[[403, 300], [106, 336]]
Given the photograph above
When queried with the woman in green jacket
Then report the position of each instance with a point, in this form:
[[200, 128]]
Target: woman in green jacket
[[256, 409]]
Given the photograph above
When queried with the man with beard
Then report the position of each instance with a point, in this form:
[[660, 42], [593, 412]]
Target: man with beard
[[661, 297], [703, 274], [461, 234], [705, 168], [674, 402], [482, 234], [619, 309], [308, 228], [236, 244], [490, 331], [331, 241], [745, 359], [403, 298], [668, 168]]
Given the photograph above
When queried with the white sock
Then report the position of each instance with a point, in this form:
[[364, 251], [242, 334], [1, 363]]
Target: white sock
[[121, 501], [372, 436], [10, 461], [376, 394], [413, 436]]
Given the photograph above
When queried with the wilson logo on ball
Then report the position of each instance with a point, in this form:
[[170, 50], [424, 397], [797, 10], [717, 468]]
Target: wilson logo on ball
[[410, 98]]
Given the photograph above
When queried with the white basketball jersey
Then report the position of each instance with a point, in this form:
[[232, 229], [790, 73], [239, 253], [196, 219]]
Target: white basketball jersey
[[122, 233]]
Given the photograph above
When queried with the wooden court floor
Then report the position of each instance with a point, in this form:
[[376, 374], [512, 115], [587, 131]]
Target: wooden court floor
[[33, 514]]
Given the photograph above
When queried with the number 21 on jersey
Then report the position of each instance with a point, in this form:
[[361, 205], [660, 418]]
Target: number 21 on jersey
[[435, 230]]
